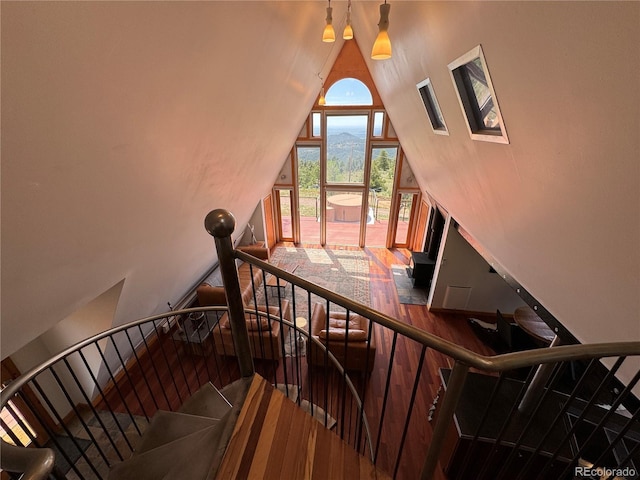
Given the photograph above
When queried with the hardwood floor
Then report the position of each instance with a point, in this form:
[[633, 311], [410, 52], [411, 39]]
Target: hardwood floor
[[274, 439], [401, 444], [453, 327]]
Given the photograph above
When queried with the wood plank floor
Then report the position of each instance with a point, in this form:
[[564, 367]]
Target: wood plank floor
[[275, 439]]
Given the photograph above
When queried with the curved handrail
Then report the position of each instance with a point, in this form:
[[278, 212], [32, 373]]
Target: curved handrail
[[37, 463], [494, 363], [7, 392]]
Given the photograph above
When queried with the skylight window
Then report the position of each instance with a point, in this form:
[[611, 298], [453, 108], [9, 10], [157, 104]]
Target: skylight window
[[348, 91], [477, 97], [434, 113]]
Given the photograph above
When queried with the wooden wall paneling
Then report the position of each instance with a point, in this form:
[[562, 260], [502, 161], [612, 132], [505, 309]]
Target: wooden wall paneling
[[267, 203]]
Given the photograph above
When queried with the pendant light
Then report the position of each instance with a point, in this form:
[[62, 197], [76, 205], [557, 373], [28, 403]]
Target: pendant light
[[329, 34], [382, 46], [322, 101], [347, 34]]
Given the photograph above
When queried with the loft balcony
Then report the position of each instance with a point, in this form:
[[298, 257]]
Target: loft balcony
[[283, 400]]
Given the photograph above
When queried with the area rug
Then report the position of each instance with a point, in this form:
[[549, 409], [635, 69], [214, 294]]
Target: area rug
[[345, 272], [70, 448], [407, 294]]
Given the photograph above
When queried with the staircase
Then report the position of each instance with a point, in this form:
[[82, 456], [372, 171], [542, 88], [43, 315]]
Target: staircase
[[189, 443], [249, 429]]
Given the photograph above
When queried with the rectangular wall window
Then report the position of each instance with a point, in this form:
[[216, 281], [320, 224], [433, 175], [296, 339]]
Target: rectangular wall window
[[346, 147]]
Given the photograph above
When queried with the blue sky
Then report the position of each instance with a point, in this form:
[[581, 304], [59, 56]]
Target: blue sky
[[348, 91]]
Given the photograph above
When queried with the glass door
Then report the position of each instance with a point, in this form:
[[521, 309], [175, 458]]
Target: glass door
[[308, 159], [344, 177], [381, 182], [407, 203], [285, 214], [344, 212]]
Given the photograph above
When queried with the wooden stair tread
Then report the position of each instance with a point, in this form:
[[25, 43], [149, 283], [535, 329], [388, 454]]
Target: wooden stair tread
[[275, 439]]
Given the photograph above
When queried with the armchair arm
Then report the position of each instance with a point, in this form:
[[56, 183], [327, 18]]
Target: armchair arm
[[210, 296]]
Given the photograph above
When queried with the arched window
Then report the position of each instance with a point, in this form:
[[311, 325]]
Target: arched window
[[348, 91]]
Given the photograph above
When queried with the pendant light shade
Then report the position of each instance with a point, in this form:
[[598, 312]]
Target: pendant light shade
[[382, 46], [329, 34], [347, 34], [322, 101]]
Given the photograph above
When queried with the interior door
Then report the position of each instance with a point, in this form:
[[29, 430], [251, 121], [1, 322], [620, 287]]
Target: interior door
[[267, 205]]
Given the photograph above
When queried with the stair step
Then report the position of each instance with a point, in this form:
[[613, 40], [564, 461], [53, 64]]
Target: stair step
[[167, 427], [190, 457], [236, 392], [188, 444], [206, 402]]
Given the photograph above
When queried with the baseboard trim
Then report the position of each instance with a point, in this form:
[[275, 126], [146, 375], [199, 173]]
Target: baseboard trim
[[470, 313]]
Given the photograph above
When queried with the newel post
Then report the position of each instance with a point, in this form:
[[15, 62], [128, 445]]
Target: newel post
[[220, 224]]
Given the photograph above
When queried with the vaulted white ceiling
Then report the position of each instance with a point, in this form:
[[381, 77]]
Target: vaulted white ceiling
[[125, 123]]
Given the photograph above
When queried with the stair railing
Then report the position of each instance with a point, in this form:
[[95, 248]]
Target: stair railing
[[141, 359], [151, 364], [464, 361]]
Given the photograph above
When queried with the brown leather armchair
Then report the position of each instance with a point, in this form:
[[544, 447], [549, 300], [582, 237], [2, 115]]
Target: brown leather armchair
[[357, 353]]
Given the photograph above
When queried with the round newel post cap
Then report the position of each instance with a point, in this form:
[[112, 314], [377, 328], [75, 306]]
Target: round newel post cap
[[220, 223]]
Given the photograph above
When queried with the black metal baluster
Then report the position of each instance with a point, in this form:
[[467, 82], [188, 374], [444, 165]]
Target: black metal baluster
[[297, 334], [344, 372], [506, 423], [66, 429], [365, 378], [386, 395], [310, 370], [142, 370], [52, 437], [619, 437], [410, 409], [79, 415], [153, 367], [282, 340], [485, 415], [166, 360], [557, 369], [125, 369], [587, 407], [180, 363], [93, 410], [14, 438], [607, 415], [104, 397], [202, 352], [558, 417]]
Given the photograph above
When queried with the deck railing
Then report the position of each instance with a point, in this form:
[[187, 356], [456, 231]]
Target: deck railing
[[583, 417]]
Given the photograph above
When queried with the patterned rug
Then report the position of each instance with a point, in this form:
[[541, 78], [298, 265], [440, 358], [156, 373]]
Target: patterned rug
[[345, 272], [407, 293]]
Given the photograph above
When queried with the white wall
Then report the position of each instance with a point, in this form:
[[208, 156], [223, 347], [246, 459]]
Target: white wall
[[90, 320], [559, 207], [462, 269], [123, 125]]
